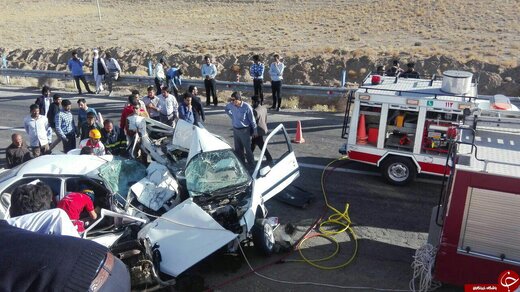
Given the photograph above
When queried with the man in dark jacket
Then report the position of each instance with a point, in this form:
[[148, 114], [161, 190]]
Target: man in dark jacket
[[112, 138], [260, 113], [44, 101], [41, 262], [198, 109], [17, 153], [54, 109]]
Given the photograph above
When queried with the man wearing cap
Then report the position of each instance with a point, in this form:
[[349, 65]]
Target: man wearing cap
[[99, 69], [93, 142], [74, 203], [244, 125]]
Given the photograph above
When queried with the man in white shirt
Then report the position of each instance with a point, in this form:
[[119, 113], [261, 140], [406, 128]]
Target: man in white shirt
[[113, 71], [30, 210], [160, 75], [168, 107], [99, 69], [152, 103], [37, 127], [276, 72], [209, 72]]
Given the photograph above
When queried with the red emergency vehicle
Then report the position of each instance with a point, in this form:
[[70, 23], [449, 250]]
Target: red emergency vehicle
[[476, 226], [406, 126]]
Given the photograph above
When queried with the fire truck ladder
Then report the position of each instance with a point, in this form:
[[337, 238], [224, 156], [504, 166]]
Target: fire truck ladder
[[346, 119]]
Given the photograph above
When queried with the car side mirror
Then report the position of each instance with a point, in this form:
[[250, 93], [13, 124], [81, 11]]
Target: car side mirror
[[264, 171]]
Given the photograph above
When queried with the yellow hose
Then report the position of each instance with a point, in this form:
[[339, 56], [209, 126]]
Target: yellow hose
[[340, 219]]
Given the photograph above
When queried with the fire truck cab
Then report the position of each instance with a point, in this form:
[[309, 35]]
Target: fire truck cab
[[475, 228], [405, 126]]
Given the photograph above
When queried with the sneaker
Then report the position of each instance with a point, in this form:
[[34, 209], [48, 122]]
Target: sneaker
[[91, 92], [277, 109], [208, 104], [272, 108]]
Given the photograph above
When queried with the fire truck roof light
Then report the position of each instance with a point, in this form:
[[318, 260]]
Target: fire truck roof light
[[412, 101], [464, 106], [364, 97]]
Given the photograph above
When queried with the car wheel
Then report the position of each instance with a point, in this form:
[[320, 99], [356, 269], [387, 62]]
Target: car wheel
[[263, 237], [399, 170]]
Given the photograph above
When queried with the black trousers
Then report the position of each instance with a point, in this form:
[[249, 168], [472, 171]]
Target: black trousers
[[259, 141], [211, 85], [259, 91], [82, 78], [276, 87], [158, 84], [70, 143]]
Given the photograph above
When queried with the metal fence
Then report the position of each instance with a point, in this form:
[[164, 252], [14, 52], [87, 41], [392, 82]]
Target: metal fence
[[297, 90]]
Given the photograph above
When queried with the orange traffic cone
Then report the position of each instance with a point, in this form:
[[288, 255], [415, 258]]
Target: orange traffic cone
[[299, 136], [362, 136]]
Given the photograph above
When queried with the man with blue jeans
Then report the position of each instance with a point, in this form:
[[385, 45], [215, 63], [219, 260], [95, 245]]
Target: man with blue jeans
[[75, 65], [244, 125]]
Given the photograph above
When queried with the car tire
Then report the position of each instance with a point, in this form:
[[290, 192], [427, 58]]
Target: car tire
[[263, 237], [399, 171]]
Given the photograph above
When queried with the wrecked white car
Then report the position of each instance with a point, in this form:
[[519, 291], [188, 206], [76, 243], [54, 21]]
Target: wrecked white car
[[195, 198]]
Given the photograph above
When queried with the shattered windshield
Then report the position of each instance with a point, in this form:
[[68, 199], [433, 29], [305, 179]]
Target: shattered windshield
[[208, 172], [120, 175]]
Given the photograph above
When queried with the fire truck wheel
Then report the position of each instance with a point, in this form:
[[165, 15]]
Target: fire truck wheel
[[263, 237], [399, 170]]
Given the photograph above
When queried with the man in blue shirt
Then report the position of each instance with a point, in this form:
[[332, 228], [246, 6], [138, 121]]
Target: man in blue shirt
[[257, 72], [244, 125], [75, 65], [174, 81], [186, 110]]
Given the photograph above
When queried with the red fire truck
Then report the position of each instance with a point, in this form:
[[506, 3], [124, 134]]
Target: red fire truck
[[406, 126], [476, 226]]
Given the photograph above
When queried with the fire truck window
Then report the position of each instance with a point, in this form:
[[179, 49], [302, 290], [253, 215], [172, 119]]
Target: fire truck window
[[400, 130]]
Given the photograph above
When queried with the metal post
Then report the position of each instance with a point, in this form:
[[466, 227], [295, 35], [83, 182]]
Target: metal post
[[98, 9], [343, 78], [150, 70]]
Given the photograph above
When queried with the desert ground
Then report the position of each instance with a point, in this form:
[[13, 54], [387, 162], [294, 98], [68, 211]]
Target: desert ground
[[317, 39]]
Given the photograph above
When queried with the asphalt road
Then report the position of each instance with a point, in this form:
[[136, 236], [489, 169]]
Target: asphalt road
[[389, 222]]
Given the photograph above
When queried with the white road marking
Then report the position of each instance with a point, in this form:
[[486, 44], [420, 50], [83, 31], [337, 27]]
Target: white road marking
[[12, 128]]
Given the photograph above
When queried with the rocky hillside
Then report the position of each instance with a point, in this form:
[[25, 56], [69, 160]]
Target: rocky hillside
[[318, 70]]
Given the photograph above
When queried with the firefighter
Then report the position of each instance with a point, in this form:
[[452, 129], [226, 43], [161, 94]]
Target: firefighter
[[93, 141]]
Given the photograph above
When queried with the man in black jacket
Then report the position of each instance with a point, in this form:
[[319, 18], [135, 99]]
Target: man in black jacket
[[54, 109], [42, 262], [32, 261]]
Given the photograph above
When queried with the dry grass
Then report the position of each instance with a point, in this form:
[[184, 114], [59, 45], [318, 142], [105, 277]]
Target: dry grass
[[379, 28]]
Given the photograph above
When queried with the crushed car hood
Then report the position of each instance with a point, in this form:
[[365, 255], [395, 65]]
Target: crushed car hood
[[184, 236], [204, 141]]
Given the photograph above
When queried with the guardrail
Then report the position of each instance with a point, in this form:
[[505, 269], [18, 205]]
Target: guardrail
[[300, 90]]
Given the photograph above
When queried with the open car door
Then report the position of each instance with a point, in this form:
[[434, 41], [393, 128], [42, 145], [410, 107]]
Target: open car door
[[270, 178]]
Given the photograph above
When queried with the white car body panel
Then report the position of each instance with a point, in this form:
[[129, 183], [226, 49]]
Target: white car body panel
[[67, 164], [204, 141], [282, 174], [158, 187], [185, 235]]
